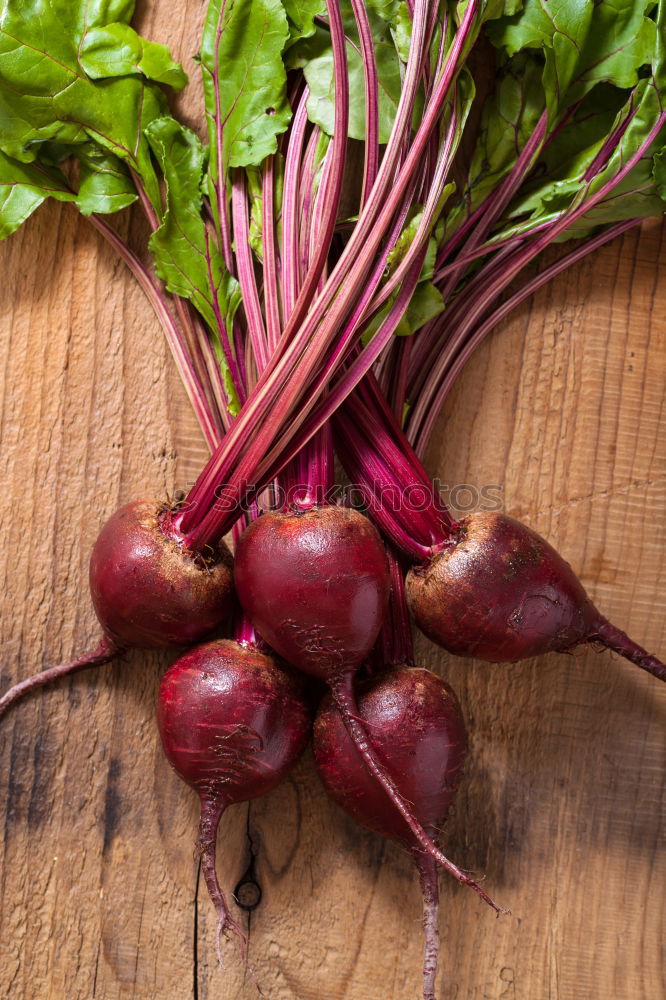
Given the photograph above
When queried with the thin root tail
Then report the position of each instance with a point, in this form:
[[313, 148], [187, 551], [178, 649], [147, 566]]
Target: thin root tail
[[105, 651], [613, 638]]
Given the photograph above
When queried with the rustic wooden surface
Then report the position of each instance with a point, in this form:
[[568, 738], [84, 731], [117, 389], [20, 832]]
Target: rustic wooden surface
[[562, 806]]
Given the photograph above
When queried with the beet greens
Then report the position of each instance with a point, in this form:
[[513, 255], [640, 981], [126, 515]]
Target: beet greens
[[263, 274]]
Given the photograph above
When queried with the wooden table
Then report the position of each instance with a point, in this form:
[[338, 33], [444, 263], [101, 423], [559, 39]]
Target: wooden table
[[562, 806]]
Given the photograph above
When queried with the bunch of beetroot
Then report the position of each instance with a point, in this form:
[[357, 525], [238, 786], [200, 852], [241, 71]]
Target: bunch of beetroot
[[322, 271]]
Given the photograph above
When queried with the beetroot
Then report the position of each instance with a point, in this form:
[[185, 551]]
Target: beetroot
[[315, 583], [233, 723], [498, 591], [418, 735], [487, 586], [147, 589]]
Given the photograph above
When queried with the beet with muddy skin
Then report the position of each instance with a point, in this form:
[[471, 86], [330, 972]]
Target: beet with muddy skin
[[149, 592], [498, 591]]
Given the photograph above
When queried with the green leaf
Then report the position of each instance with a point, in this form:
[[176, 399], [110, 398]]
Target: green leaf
[[556, 176], [659, 173], [401, 30], [387, 10], [46, 95], [301, 14], [255, 192], [583, 43], [559, 178], [23, 188], [315, 56], [639, 194], [407, 236], [186, 257], [117, 50], [242, 52], [425, 304], [510, 114], [105, 184]]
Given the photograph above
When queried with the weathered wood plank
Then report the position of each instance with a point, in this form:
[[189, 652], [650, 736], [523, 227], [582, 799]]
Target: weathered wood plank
[[563, 803]]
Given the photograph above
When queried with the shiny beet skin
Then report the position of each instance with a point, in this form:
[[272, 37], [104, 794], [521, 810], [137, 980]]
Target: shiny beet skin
[[416, 728], [315, 584], [149, 592], [232, 721], [500, 593]]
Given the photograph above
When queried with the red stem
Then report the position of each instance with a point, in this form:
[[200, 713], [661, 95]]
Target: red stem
[[290, 268], [443, 373], [234, 363], [333, 179], [279, 389], [374, 463], [221, 183], [246, 275], [371, 83], [498, 201], [200, 404], [431, 212], [397, 644], [307, 200], [311, 414], [271, 293]]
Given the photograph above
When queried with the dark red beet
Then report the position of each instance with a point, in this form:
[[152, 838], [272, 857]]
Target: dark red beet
[[233, 723], [315, 584], [417, 732], [147, 591], [500, 592]]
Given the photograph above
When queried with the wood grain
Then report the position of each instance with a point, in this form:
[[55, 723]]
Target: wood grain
[[563, 802]]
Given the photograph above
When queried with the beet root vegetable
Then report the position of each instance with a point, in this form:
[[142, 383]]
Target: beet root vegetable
[[232, 723], [148, 591], [500, 592], [418, 735], [486, 586], [315, 584]]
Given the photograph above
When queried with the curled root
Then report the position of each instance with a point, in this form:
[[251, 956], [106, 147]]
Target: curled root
[[226, 928], [104, 652]]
